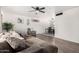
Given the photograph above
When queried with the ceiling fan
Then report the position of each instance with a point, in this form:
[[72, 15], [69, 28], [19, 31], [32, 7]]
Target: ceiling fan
[[38, 9]]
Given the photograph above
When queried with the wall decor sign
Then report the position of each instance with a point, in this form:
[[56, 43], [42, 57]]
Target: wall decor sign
[[20, 20]]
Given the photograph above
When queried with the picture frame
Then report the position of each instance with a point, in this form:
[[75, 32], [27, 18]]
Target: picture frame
[[19, 20]]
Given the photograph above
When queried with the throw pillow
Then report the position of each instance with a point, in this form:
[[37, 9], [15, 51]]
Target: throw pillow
[[17, 44]]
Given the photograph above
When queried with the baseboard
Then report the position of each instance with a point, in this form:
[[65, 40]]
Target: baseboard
[[67, 40]]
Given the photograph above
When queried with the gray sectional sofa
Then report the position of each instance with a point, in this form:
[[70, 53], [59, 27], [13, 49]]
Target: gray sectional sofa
[[29, 45]]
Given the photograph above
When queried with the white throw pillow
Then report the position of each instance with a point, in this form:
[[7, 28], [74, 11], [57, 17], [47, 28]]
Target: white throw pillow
[[1, 35], [4, 36], [14, 34]]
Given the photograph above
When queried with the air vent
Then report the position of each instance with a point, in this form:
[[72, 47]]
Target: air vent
[[58, 14], [35, 20]]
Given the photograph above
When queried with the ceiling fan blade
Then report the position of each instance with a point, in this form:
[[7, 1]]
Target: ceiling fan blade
[[42, 11], [42, 8], [34, 8]]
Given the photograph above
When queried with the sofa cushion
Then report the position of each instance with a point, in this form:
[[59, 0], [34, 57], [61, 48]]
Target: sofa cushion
[[34, 40], [17, 44], [49, 48], [32, 49], [46, 47]]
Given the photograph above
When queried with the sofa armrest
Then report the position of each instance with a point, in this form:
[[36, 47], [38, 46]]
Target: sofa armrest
[[32, 49]]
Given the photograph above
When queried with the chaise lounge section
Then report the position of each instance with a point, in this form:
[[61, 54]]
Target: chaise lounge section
[[39, 46]]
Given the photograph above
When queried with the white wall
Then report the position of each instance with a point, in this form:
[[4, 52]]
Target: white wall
[[0, 21], [22, 27], [67, 25], [39, 27]]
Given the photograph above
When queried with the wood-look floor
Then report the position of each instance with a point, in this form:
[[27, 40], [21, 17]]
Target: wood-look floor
[[63, 45]]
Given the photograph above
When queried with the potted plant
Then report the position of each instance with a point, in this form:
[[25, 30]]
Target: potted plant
[[7, 26]]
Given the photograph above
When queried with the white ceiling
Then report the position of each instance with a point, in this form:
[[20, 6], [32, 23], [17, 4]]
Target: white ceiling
[[63, 8], [24, 10]]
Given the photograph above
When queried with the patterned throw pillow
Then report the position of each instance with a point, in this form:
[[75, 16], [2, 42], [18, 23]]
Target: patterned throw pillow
[[17, 44]]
